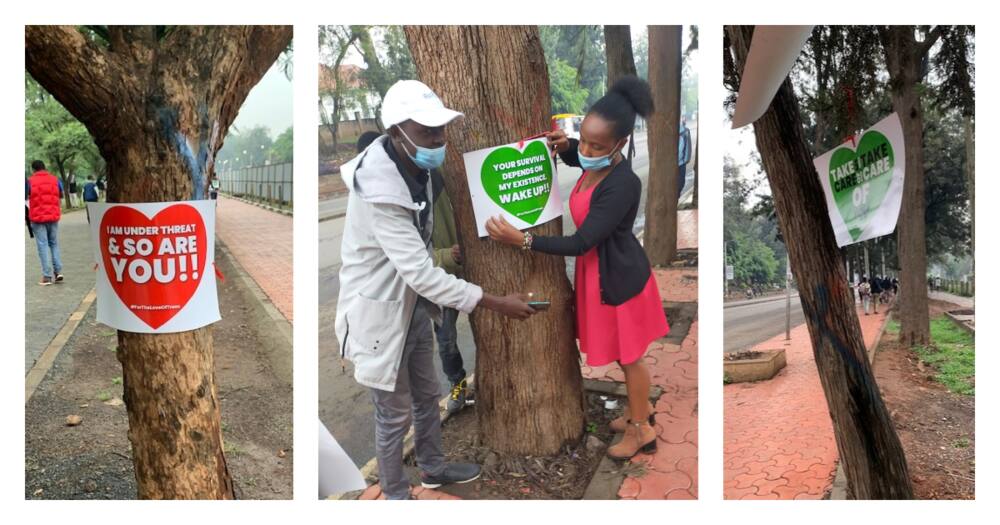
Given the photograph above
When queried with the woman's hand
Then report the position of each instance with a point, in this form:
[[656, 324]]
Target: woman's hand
[[502, 231], [558, 142]]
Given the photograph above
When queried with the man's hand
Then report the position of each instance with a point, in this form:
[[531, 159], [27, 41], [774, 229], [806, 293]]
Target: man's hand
[[456, 254], [514, 306], [558, 142]]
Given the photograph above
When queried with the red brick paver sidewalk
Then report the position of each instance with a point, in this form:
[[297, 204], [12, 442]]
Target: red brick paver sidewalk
[[778, 439], [672, 471], [261, 241]]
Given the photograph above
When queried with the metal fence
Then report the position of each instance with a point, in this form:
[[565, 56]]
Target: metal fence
[[271, 183]]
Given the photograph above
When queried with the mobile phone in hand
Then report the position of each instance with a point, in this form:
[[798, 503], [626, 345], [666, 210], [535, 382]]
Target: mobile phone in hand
[[539, 306]]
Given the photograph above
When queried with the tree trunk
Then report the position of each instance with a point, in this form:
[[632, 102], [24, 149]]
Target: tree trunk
[[618, 50], [903, 56], [660, 237], [697, 145], [870, 451], [159, 110], [529, 396], [970, 179]]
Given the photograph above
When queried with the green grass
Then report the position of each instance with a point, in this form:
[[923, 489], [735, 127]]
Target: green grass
[[892, 326], [952, 353], [117, 380], [591, 427], [103, 396], [232, 449]]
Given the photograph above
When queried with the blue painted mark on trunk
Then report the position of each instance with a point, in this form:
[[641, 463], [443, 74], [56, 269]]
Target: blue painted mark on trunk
[[196, 162]]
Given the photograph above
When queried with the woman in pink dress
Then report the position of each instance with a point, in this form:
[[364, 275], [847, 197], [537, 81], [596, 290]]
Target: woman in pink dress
[[618, 307]]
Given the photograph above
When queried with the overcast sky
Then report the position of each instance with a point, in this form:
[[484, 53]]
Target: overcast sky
[[269, 104]]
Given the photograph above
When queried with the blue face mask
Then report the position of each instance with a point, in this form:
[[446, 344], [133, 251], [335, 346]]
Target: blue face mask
[[426, 158], [595, 163]]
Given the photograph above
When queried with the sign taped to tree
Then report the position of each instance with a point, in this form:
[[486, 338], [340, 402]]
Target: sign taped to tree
[[155, 265], [514, 180], [864, 183]]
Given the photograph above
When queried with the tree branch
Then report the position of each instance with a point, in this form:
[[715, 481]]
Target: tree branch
[[931, 38], [78, 73]]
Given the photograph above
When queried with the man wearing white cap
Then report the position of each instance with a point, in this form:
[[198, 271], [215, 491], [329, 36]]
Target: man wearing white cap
[[390, 290]]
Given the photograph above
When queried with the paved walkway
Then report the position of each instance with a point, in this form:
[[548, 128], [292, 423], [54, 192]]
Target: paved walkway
[[261, 241], [687, 229], [778, 438], [964, 302], [47, 308]]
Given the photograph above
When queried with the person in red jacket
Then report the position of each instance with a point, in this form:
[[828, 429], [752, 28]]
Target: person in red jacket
[[44, 194]]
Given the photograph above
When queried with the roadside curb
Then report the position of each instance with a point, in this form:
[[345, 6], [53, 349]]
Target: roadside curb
[[258, 204], [776, 297], [281, 362], [45, 361]]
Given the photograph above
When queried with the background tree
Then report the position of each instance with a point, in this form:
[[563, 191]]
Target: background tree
[[660, 237], [618, 50], [582, 47], [158, 101], [282, 148], [869, 449], [339, 40], [529, 396], [53, 136]]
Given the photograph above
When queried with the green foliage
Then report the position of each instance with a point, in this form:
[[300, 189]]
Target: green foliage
[[281, 150], [953, 354], [582, 47], [567, 95], [243, 149], [751, 246], [53, 135]]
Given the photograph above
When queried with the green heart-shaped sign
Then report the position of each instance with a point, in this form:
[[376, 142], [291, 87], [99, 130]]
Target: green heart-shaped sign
[[519, 181], [860, 179]]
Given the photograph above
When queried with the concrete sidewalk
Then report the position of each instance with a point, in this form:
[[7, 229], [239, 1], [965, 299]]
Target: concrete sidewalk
[[47, 308], [964, 302], [778, 440], [261, 241]]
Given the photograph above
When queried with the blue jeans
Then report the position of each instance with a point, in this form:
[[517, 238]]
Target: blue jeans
[[447, 339], [47, 238]]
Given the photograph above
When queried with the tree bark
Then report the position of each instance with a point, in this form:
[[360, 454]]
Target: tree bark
[[529, 396], [660, 237], [870, 451], [618, 52], [904, 56], [969, 132], [159, 109]]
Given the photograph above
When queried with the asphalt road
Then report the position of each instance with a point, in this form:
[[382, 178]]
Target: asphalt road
[[749, 324]]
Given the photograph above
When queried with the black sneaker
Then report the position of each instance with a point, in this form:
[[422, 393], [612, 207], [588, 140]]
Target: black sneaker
[[458, 396], [452, 473], [59, 277]]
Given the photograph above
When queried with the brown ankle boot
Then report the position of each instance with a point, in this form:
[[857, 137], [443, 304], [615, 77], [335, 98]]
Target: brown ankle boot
[[618, 425], [639, 437]]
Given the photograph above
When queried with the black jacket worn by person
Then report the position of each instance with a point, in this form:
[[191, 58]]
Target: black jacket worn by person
[[623, 268]]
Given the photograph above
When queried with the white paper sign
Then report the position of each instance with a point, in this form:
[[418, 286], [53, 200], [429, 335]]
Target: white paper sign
[[155, 265], [337, 473], [864, 182], [513, 180]]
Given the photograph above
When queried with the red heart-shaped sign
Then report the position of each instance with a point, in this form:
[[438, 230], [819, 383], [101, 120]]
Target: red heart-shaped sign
[[154, 264]]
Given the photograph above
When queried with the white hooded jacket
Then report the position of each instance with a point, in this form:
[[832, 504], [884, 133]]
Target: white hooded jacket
[[387, 265]]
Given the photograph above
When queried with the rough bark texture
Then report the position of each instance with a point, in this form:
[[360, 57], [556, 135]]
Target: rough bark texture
[[869, 449], [969, 132], [159, 108], [660, 237], [903, 58], [618, 51], [529, 394]]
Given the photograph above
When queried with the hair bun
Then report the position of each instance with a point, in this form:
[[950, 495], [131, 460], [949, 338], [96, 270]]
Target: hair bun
[[636, 91]]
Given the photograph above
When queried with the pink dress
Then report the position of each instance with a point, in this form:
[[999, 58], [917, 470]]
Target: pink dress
[[611, 333]]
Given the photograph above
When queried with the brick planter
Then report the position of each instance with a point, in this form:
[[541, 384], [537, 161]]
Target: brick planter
[[756, 369]]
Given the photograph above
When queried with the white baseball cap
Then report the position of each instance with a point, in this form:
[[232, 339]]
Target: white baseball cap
[[413, 100]]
